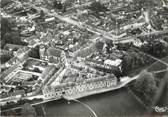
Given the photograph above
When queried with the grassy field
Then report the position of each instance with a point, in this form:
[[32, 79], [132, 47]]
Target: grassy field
[[160, 96], [158, 65]]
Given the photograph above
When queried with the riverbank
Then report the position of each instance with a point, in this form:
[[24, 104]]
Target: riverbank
[[124, 81], [95, 97], [118, 102], [159, 99]]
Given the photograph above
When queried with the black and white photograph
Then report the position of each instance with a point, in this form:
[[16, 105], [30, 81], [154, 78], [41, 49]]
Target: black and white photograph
[[84, 58]]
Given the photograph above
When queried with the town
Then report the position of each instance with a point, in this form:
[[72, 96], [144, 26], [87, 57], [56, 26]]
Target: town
[[69, 49]]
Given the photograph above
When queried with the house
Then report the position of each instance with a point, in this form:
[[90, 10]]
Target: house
[[52, 52], [22, 53], [48, 73], [107, 66], [54, 55], [86, 51], [116, 62]]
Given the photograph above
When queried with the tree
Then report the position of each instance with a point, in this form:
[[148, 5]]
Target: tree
[[156, 48], [146, 86], [147, 3], [5, 58], [96, 6], [28, 110], [5, 26], [57, 5], [12, 38], [5, 2], [9, 32], [99, 45], [37, 70], [126, 64], [34, 53], [157, 22]]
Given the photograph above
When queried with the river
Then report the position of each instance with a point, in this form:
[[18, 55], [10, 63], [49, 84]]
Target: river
[[118, 102]]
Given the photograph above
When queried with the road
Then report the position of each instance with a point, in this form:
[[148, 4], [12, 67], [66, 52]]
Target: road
[[123, 83], [145, 34], [107, 35], [132, 38], [99, 32], [118, 102], [73, 22]]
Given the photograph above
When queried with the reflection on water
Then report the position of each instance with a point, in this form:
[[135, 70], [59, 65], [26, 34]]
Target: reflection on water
[[118, 102]]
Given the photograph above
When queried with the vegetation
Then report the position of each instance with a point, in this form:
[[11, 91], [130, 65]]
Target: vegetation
[[133, 60], [5, 2], [145, 86], [97, 7], [34, 53], [9, 32], [28, 110], [156, 48], [57, 5], [99, 46], [5, 26], [147, 3], [4, 58]]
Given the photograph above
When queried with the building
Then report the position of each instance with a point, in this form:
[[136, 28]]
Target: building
[[106, 67], [10, 72], [52, 55], [88, 85], [55, 76], [133, 26], [22, 53], [48, 73], [42, 49], [116, 62], [86, 51]]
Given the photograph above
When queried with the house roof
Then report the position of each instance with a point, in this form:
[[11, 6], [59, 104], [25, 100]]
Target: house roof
[[54, 52], [50, 68]]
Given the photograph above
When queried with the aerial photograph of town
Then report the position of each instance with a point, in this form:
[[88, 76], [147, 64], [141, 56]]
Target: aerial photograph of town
[[84, 58]]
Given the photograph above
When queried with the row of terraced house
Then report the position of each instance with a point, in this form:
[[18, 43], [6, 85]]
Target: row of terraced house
[[89, 85]]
